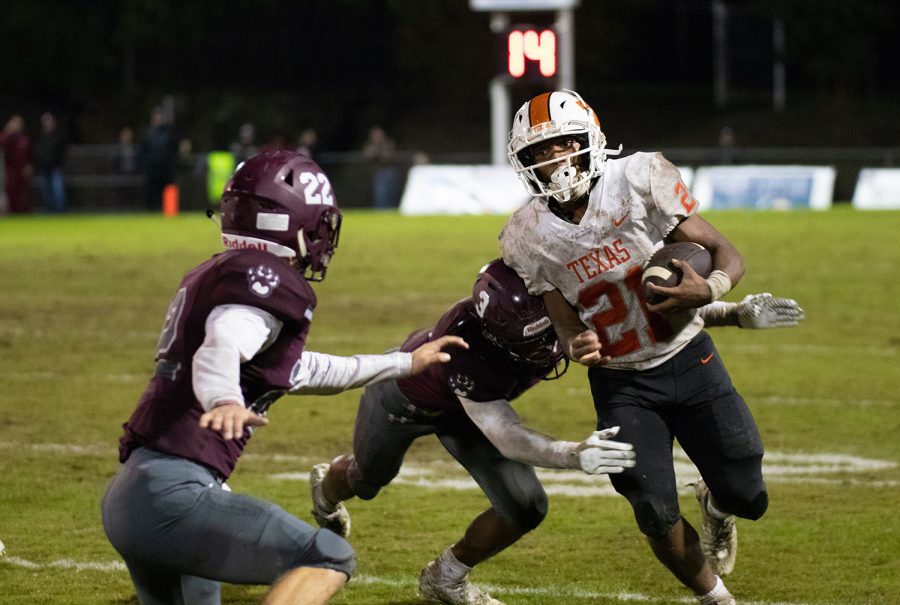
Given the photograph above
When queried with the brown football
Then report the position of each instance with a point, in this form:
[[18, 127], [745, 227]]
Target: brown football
[[659, 269]]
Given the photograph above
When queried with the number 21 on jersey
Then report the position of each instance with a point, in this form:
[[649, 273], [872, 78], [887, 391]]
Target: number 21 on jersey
[[635, 330]]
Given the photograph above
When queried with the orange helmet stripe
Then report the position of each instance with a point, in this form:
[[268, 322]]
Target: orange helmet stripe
[[539, 109]]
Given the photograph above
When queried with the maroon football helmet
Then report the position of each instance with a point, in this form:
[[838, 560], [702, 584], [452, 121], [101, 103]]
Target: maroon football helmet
[[515, 320], [282, 202]]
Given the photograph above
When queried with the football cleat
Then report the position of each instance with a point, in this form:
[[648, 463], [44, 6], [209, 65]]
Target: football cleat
[[437, 585], [719, 536], [329, 516], [720, 599]]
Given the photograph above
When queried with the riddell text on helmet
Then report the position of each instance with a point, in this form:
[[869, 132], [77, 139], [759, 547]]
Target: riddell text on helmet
[[243, 244]]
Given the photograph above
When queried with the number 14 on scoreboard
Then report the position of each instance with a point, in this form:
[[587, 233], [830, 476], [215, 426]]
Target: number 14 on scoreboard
[[526, 45]]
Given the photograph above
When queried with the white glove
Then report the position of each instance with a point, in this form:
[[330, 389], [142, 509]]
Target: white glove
[[759, 311], [597, 455]]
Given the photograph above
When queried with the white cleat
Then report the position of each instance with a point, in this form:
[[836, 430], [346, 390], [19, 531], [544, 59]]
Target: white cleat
[[333, 517], [722, 599], [436, 586], [719, 537]]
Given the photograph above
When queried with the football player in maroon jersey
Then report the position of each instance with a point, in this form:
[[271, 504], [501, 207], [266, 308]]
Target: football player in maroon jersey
[[232, 344], [466, 403]]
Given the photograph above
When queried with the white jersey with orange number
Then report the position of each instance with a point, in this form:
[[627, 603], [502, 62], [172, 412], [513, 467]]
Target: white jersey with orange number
[[597, 264]]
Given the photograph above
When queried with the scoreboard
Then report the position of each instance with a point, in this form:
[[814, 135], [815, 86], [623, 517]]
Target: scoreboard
[[530, 52]]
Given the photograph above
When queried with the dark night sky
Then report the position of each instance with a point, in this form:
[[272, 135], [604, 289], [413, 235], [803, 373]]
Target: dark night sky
[[422, 67]]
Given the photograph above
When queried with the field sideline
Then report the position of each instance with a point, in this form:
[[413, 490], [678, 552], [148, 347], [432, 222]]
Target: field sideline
[[84, 296]]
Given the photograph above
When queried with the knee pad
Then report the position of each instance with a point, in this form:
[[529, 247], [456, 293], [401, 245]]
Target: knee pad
[[524, 507], [363, 490], [654, 519], [529, 517], [755, 508]]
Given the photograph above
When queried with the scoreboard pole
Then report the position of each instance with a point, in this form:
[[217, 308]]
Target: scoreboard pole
[[501, 103], [501, 114]]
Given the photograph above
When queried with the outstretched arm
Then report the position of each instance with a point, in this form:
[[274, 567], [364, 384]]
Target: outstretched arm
[[755, 311], [596, 455], [322, 374]]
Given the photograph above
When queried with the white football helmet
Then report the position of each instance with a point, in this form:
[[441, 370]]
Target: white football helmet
[[562, 113]]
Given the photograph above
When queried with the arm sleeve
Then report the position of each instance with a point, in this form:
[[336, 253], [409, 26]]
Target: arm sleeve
[[503, 428], [321, 374], [719, 313], [234, 335]]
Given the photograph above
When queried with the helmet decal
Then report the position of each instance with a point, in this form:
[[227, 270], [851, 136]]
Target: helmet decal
[[267, 221], [537, 327]]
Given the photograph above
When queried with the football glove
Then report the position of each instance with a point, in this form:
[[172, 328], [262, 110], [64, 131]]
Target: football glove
[[758, 311], [599, 455]]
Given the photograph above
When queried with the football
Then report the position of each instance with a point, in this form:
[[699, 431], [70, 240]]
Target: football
[[659, 269]]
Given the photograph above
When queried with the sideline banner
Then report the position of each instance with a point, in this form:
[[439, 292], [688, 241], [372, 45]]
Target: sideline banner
[[877, 189], [461, 189], [764, 187]]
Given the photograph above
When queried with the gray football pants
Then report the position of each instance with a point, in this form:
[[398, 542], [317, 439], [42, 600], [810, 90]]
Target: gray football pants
[[387, 424], [180, 533]]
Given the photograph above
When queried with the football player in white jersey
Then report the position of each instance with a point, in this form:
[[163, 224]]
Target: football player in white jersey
[[581, 243]]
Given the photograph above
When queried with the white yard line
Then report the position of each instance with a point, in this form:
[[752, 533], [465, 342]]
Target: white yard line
[[560, 592]]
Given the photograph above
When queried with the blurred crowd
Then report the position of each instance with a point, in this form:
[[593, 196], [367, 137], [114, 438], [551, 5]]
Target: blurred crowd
[[143, 164]]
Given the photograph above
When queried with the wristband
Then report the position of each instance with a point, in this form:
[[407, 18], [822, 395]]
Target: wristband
[[719, 284]]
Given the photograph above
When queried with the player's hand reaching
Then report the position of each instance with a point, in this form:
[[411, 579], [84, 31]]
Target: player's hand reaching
[[585, 348], [432, 352], [599, 455], [230, 418], [759, 311], [693, 291]]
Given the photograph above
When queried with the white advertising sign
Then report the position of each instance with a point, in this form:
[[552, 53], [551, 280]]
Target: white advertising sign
[[764, 187], [877, 189], [445, 189]]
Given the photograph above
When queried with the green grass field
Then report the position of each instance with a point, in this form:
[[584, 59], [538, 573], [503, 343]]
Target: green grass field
[[83, 299]]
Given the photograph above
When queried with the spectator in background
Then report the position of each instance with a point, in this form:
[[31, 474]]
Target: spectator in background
[[190, 174], [49, 160], [306, 142], [126, 167], [245, 146], [379, 150], [727, 153], [157, 158], [17, 161], [276, 141], [126, 152]]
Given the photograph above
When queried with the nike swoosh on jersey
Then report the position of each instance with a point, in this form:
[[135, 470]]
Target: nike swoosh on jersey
[[705, 360], [619, 222]]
